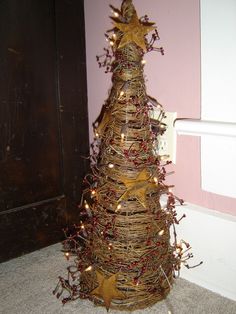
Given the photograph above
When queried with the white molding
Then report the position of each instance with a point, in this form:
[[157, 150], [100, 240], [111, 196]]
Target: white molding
[[202, 127], [212, 236]]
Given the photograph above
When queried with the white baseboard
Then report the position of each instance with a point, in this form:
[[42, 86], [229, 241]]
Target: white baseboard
[[212, 236]]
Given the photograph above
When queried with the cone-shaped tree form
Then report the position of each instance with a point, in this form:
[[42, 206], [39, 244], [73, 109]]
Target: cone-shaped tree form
[[126, 259], [131, 236]]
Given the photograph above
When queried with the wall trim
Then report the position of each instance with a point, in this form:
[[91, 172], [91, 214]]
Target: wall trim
[[212, 236]]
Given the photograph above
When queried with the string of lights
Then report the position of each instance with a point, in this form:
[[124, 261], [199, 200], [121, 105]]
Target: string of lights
[[122, 250]]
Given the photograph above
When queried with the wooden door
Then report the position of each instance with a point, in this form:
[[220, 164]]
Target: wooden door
[[43, 121]]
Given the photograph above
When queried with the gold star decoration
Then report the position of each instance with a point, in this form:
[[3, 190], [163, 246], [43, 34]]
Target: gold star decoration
[[138, 187], [134, 31], [107, 289]]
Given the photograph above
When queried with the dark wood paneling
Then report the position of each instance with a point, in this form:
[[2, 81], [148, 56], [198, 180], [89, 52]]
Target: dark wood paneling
[[43, 121], [73, 94], [28, 228], [29, 137]]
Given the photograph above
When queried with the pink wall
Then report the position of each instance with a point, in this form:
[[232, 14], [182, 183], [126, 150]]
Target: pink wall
[[173, 79]]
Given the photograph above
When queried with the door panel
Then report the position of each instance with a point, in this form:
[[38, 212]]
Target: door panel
[[43, 121]]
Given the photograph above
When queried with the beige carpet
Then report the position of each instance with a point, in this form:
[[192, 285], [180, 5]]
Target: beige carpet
[[26, 286]]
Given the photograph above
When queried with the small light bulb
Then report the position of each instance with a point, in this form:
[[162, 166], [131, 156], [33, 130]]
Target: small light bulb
[[161, 232], [122, 93], [169, 190], [155, 179], [101, 232], [118, 206], [86, 206], [112, 43], [96, 134], [93, 192], [89, 268], [122, 137], [178, 250], [114, 36], [82, 227], [116, 14], [110, 166], [143, 61], [67, 255]]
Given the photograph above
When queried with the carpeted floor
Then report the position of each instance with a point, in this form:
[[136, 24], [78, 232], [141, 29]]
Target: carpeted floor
[[26, 286]]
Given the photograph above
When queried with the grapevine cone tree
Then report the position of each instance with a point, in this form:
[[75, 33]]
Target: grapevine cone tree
[[124, 255]]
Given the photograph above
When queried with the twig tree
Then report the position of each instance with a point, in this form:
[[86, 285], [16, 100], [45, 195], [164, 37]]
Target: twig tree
[[125, 257]]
